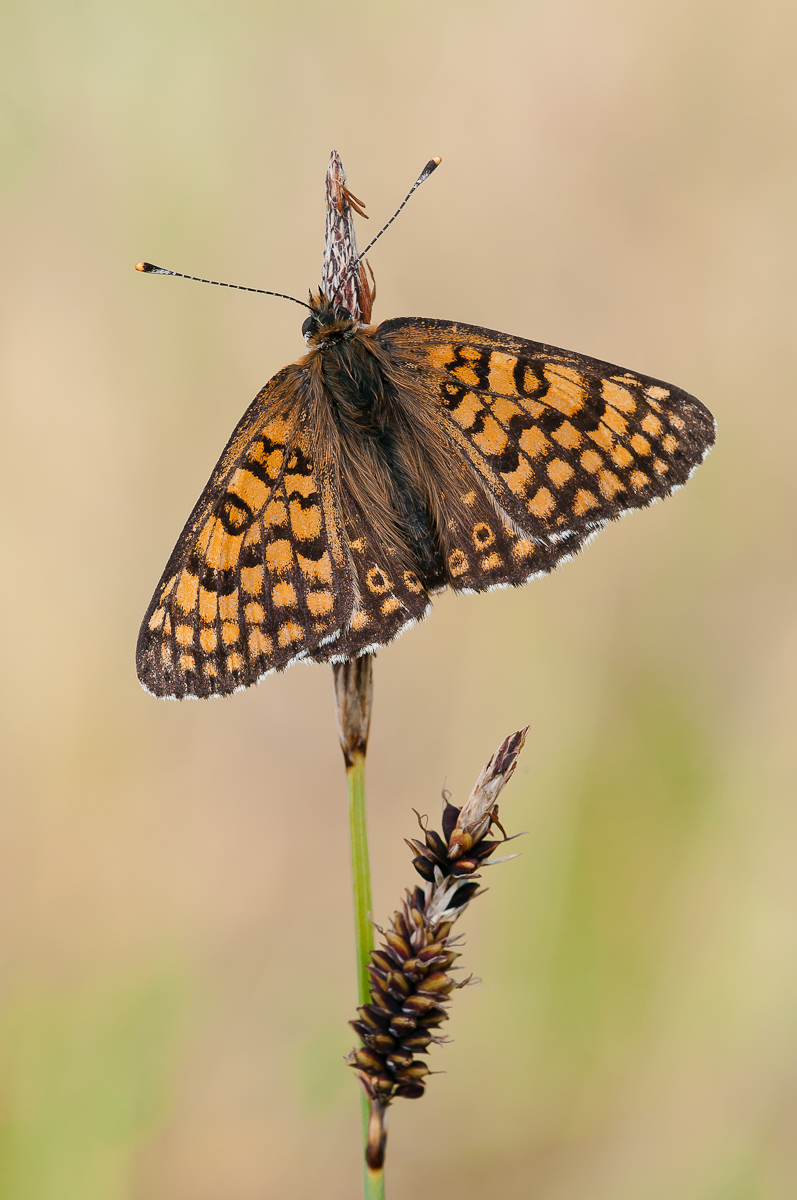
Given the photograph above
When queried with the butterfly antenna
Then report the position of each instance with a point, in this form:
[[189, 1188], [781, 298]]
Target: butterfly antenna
[[151, 269], [432, 165]]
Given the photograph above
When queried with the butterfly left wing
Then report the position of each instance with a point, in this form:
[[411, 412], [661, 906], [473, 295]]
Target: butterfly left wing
[[550, 444], [278, 562], [261, 574]]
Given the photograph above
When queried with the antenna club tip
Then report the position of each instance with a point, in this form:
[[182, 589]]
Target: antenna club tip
[[145, 266], [437, 160]]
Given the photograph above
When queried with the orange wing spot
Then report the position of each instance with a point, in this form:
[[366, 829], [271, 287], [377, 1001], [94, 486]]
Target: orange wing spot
[[389, 605], [523, 548], [591, 461], [566, 393], [559, 472], [156, 620], [621, 457], [657, 393], [618, 397], [357, 544], [230, 632], [639, 480], [541, 503], [208, 640], [661, 468], [676, 422], [614, 420], [277, 430], [534, 442], [223, 548], [168, 587], [609, 484], [651, 424], [279, 556], [289, 632], [204, 536], [316, 570], [467, 410], [276, 513], [457, 563], [504, 410], [320, 602], [259, 643], [283, 595], [274, 463], [377, 581], [249, 488], [412, 581], [305, 522], [531, 380], [469, 499], [209, 670], [184, 634], [187, 662], [492, 439], [234, 661], [567, 436], [441, 356], [167, 625], [466, 375], [639, 444], [187, 591], [483, 536], [252, 580], [602, 436], [518, 481], [584, 502], [208, 605], [502, 378], [669, 443], [491, 562], [252, 535], [228, 606], [301, 485], [254, 613], [359, 620]]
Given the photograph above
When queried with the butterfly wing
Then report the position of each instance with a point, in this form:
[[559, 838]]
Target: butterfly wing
[[277, 562], [551, 444], [260, 574]]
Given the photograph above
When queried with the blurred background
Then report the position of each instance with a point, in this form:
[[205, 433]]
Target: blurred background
[[177, 950]]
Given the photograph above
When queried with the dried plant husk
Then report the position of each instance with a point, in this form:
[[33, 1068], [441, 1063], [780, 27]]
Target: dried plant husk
[[411, 980]]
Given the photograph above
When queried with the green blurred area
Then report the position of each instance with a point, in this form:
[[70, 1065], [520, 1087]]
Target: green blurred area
[[177, 954]]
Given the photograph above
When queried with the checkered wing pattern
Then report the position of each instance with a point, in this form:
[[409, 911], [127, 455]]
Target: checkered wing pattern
[[553, 444], [277, 562]]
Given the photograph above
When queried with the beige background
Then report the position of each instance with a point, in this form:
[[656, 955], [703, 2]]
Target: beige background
[[177, 975]]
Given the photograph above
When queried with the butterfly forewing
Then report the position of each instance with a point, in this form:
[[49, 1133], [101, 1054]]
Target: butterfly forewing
[[261, 573], [556, 443]]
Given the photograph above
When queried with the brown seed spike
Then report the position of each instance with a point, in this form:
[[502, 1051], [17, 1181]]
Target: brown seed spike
[[416, 956]]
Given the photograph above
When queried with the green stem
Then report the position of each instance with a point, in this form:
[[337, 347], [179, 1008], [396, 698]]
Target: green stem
[[353, 682], [361, 875], [374, 1181]]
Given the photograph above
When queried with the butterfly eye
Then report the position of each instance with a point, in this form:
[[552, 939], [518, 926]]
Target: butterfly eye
[[309, 327]]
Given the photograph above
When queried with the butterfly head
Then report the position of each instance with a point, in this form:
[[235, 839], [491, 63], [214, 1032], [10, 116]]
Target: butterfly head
[[327, 322]]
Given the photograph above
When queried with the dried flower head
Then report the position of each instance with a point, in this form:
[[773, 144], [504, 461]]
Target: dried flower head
[[410, 972]]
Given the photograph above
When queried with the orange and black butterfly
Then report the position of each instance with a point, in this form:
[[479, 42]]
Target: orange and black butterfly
[[390, 462]]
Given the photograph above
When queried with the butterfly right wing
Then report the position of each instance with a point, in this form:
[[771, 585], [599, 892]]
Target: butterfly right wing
[[548, 444]]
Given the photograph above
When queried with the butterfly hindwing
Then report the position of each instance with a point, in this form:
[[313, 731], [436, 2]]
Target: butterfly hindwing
[[555, 443]]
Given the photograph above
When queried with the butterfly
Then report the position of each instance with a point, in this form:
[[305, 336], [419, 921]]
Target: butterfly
[[390, 462]]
